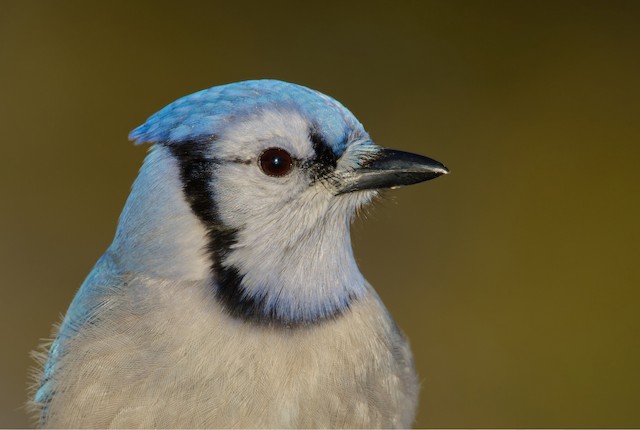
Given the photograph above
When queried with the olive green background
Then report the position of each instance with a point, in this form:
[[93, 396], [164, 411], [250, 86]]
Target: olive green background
[[516, 276]]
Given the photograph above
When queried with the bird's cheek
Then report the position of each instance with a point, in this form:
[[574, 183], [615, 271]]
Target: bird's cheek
[[249, 197]]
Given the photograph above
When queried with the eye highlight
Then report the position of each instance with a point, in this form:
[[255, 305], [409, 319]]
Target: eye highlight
[[275, 162]]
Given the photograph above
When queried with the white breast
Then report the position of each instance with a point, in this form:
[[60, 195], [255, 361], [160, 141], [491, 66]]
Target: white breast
[[163, 354]]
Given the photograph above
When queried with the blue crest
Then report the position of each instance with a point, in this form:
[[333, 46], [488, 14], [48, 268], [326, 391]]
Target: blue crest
[[207, 112]]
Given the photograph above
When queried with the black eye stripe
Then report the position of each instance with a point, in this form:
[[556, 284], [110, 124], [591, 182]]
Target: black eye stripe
[[324, 153], [321, 166]]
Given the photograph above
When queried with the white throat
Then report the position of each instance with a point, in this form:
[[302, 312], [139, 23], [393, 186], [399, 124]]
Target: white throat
[[306, 270]]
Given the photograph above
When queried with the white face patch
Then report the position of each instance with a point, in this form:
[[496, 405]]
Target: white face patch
[[292, 247], [281, 128], [243, 192]]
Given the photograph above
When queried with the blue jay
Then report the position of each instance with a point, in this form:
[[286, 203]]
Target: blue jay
[[230, 296]]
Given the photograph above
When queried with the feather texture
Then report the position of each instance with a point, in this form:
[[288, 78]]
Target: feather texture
[[230, 297]]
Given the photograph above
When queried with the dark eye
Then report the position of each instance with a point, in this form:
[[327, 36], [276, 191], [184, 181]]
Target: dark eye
[[275, 162]]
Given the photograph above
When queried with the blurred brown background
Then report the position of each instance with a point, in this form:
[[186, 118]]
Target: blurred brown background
[[516, 277]]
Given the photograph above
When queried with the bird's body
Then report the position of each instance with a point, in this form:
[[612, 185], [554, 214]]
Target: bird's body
[[230, 296], [166, 360]]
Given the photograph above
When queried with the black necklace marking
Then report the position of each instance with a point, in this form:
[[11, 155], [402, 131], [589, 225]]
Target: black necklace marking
[[196, 172]]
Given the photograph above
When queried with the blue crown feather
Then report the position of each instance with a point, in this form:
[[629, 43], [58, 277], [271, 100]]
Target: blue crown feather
[[207, 112]]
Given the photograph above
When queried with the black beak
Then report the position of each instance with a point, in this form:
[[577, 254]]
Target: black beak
[[391, 169]]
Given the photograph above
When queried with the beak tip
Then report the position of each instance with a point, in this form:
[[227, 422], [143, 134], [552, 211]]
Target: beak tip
[[442, 170]]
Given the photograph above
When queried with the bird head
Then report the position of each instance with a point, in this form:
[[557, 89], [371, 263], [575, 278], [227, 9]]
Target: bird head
[[268, 177]]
